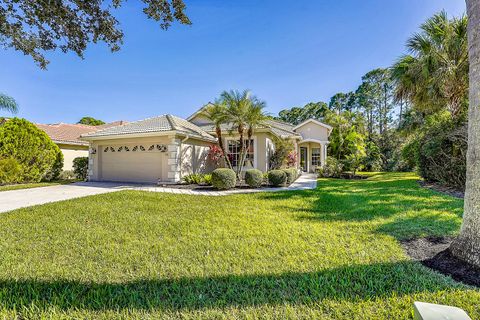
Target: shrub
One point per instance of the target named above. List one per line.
(80, 167)
(193, 178)
(207, 179)
(254, 178)
(10, 171)
(34, 151)
(332, 169)
(56, 170)
(291, 174)
(277, 178)
(67, 175)
(224, 178)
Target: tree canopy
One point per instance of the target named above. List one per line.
(36, 27)
(8, 103)
(90, 121)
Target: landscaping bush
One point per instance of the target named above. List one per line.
(332, 169)
(291, 174)
(207, 179)
(277, 178)
(80, 167)
(254, 178)
(33, 150)
(193, 178)
(10, 171)
(224, 178)
(67, 175)
(56, 170)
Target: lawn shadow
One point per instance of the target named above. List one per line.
(348, 283)
(383, 200)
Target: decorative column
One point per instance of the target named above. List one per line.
(92, 152)
(174, 160)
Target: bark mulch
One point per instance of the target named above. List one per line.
(434, 253)
(442, 189)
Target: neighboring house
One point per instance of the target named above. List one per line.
(166, 148)
(67, 137)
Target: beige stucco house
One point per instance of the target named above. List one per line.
(165, 148)
(67, 137)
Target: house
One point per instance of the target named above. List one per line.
(166, 148)
(67, 137)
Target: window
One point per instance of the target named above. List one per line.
(234, 152)
(316, 157)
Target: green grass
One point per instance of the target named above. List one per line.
(33, 185)
(330, 253)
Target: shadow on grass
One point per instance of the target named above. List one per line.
(350, 283)
(395, 201)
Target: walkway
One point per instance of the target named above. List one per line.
(15, 199)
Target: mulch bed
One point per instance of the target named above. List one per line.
(443, 189)
(434, 253)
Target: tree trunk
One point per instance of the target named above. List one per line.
(467, 245)
(218, 130)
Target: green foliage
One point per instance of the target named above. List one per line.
(90, 121)
(193, 178)
(7, 103)
(29, 146)
(280, 157)
(80, 168)
(56, 170)
(291, 174)
(207, 179)
(332, 169)
(10, 171)
(331, 253)
(254, 178)
(277, 178)
(67, 175)
(35, 27)
(224, 179)
(296, 115)
(373, 157)
(342, 102)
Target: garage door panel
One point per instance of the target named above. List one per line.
(134, 166)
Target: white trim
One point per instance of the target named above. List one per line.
(314, 140)
(145, 134)
(196, 113)
(255, 152)
(313, 121)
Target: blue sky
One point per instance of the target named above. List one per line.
(288, 53)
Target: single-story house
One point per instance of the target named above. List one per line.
(67, 137)
(165, 148)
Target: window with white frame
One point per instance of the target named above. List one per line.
(316, 161)
(234, 152)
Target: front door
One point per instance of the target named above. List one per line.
(303, 158)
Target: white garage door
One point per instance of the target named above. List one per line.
(133, 163)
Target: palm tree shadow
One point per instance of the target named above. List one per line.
(349, 283)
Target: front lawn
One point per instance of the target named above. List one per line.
(330, 253)
(33, 185)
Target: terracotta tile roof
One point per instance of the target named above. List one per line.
(70, 133)
(162, 123)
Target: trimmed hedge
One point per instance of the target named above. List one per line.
(57, 168)
(291, 174)
(10, 171)
(254, 178)
(224, 179)
(80, 167)
(277, 178)
(31, 147)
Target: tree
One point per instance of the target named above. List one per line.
(90, 121)
(296, 115)
(467, 245)
(435, 75)
(217, 114)
(8, 103)
(342, 102)
(36, 27)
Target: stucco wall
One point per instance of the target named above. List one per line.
(313, 131)
(194, 157)
(71, 152)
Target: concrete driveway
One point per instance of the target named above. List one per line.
(15, 199)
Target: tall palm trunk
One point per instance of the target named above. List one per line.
(241, 132)
(467, 245)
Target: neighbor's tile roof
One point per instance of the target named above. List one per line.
(66, 133)
(278, 128)
(70, 133)
(162, 123)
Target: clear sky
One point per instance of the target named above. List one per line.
(288, 53)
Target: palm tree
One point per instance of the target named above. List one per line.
(467, 245)
(435, 75)
(8, 103)
(216, 113)
(256, 117)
